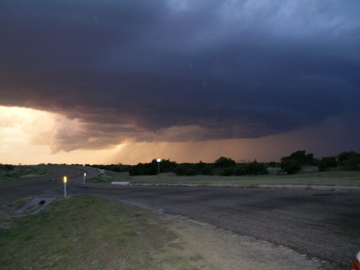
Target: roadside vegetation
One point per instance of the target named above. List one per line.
(106, 177)
(11, 172)
(297, 162)
(331, 178)
(299, 168)
(87, 232)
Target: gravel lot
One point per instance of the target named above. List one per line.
(321, 224)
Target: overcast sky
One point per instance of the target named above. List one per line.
(184, 72)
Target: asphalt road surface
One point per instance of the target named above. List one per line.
(47, 185)
(322, 224)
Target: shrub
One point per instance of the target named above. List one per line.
(352, 163)
(256, 168)
(290, 166)
(224, 162)
(301, 158)
(7, 167)
(251, 168)
(187, 169)
(349, 160)
(327, 163)
(206, 169)
(143, 169)
(226, 171)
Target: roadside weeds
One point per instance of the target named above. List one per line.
(87, 232)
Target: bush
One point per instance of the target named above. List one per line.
(327, 163)
(143, 169)
(349, 161)
(256, 168)
(352, 163)
(226, 171)
(290, 166)
(187, 169)
(165, 165)
(301, 158)
(251, 168)
(205, 169)
(224, 162)
(7, 167)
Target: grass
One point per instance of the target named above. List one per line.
(110, 176)
(24, 172)
(333, 178)
(86, 232)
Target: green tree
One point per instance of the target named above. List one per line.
(256, 168)
(327, 163)
(290, 166)
(186, 169)
(349, 160)
(301, 158)
(205, 168)
(223, 162)
(251, 168)
(144, 169)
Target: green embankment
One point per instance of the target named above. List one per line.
(23, 172)
(332, 178)
(86, 232)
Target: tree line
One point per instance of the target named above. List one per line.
(228, 167)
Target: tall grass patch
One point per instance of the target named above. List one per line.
(331, 178)
(85, 232)
(107, 177)
(24, 172)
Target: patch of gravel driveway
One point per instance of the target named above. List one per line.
(207, 247)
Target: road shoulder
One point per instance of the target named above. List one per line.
(207, 247)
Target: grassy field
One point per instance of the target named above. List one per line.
(109, 176)
(24, 172)
(87, 232)
(333, 178)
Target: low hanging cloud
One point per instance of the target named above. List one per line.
(179, 70)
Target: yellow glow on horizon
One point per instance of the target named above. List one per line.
(31, 136)
(26, 136)
(16, 123)
(19, 127)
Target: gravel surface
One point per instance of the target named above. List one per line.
(208, 247)
(321, 224)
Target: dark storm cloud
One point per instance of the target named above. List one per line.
(181, 70)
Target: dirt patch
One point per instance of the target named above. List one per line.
(10, 211)
(207, 247)
(34, 206)
(5, 220)
(7, 212)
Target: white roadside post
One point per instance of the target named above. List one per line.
(65, 180)
(158, 161)
(84, 177)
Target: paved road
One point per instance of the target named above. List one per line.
(48, 185)
(324, 224)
